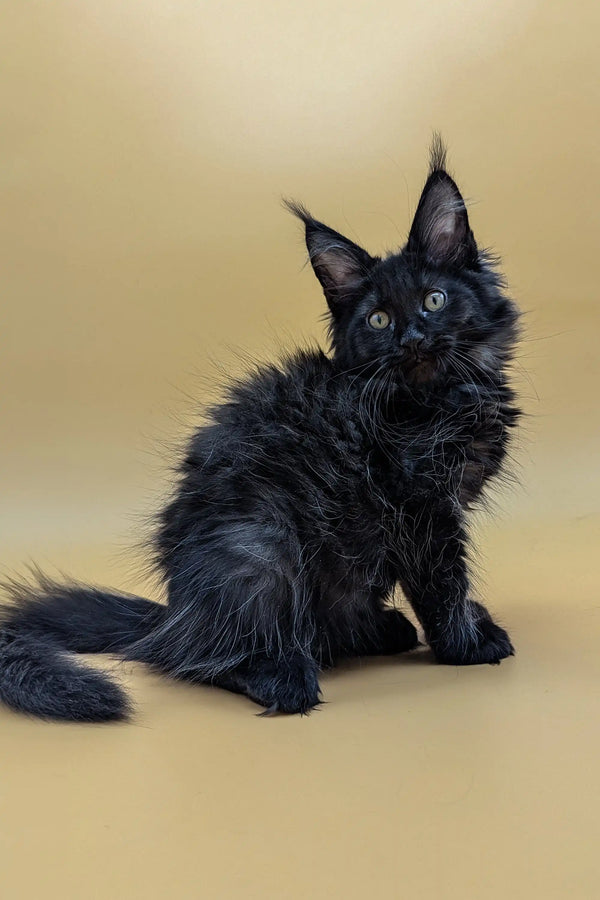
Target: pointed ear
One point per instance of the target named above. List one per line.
(338, 263)
(440, 230)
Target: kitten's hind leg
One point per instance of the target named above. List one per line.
(370, 630)
(243, 620)
(393, 633)
(287, 684)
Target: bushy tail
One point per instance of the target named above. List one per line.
(43, 622)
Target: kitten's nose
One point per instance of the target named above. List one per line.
(412, 338)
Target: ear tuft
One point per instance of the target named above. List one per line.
(437, 154)
(339, 264)
(297, 209)
(440, 231)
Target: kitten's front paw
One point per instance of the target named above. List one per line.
(486, 643)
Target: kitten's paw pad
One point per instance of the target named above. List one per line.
(285, 687)
(399, 634)
(491, 645)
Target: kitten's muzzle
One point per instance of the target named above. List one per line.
(417, 359)
(413, 349)
(412, 338)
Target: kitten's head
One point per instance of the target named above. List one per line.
(433, 308)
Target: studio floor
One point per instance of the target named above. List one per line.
(413, 780)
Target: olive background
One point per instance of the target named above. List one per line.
(145, 257)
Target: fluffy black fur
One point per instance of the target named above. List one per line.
(315, 488)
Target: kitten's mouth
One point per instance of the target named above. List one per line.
(420, 367)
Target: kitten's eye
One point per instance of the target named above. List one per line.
(379, 319)
(434, 300)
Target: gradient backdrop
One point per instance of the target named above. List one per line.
(145, 148)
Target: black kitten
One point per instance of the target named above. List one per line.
(315, 489)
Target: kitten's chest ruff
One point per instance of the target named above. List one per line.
(352, 466)
(355, 480)
(449, 447)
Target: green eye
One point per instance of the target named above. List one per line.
(379, 320)
(434, 300)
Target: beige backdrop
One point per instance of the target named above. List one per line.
(145, 147)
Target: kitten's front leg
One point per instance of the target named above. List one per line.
(435, 579)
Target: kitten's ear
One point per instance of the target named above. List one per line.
(440, 230)
(338, 263)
